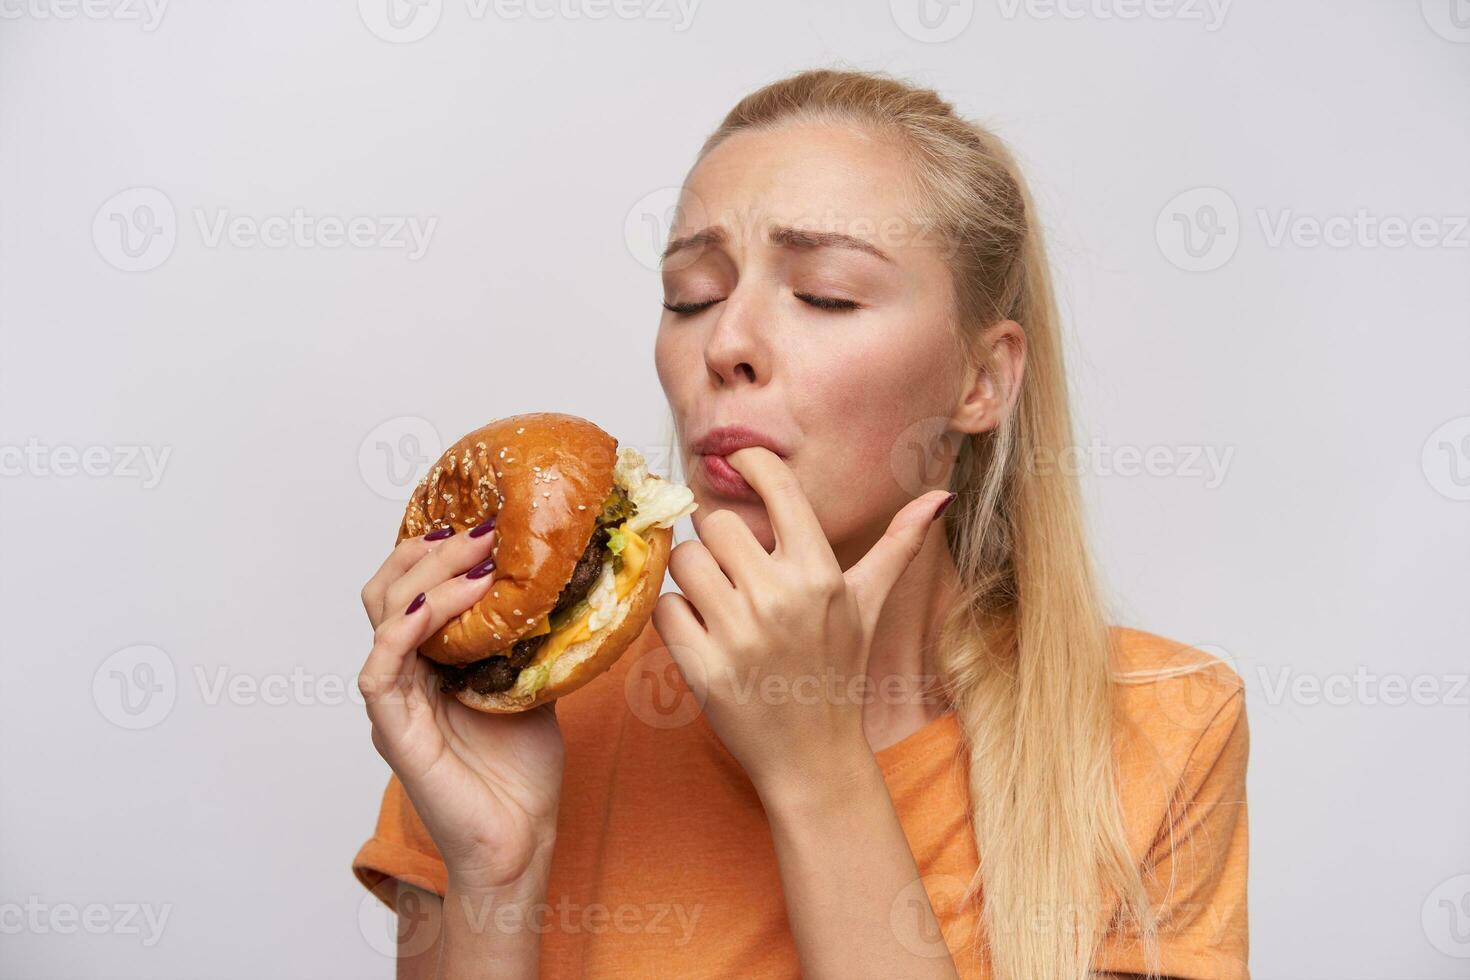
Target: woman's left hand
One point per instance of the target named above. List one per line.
(775, 645)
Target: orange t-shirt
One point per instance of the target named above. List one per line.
(664, 864)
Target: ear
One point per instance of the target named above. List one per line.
(991, 389)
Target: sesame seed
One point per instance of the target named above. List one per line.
(520, 430)
(516, 611)
(545, 493)
(535, 503)
(536, 468)
(529, 621)
(581, 506)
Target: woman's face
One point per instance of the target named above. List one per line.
(809, 307)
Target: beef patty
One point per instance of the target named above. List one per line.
(499, 671)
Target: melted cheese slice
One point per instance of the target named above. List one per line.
(635, 555)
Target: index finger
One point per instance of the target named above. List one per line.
(798, 532)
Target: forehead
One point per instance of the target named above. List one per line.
(824, 176)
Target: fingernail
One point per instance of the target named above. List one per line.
(439, 535)
(485, 528)
(940, 509)
(481, 570)
(413, 607)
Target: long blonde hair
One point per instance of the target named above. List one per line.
(1025, 652)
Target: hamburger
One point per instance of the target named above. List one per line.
(583, 533)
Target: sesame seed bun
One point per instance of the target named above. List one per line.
(544, 476)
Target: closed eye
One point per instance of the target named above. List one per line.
(683, 309)
(827, 302)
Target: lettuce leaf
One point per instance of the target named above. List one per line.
(658, 502)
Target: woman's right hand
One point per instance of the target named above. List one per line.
(485, 786)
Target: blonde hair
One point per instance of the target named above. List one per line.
(1025, 652)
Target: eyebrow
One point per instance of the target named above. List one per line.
(786, 237)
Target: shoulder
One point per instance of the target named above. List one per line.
(1157, 679)
(1180, 722)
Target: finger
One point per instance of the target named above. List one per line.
(799, 534)
(703, 582)
(453, 556)
(873, 577)
(403, 557)
(395, 681)
(677, 623)
(739, 554)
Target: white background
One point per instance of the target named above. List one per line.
(1330, 550)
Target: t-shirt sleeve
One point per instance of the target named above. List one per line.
(400, 849)
(1195, 873)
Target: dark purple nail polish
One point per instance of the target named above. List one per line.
(481, 570)
(439, 534)
(947, 501)
(485, 528)
(413, 607)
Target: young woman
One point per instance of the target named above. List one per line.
(855, 272)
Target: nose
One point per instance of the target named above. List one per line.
(736, 352)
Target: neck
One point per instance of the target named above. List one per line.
(903, 667)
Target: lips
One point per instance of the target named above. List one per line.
(716, 471)
(726, 439)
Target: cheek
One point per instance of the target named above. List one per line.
(676, 370)
(857, 402)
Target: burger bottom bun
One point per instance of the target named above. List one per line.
(581, 662)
